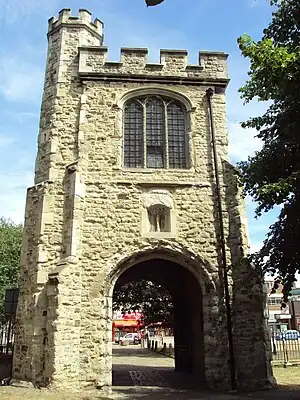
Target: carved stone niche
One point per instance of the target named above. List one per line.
(158, 214)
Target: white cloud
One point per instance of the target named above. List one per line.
(253, 3)
(20, 80)
(133, 32)
(255, 246)
(257, 3)
(11, 10)
(13, 193)
(242, 142)
(16, 175)
(21, 116)
(6, 140)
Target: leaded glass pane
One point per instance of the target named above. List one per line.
(149, 138)
(176, 136)
(155, 133)
(133, 135)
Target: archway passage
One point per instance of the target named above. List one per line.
(186, 296)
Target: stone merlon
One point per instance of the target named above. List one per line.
(134, 61)
(84, 18)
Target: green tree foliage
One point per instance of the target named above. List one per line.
(146, 297)
(272, 175)
(10, 247)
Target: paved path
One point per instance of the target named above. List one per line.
(141, 374)
(135, 366)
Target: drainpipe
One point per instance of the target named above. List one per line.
(209, 94)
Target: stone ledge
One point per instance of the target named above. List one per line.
(143, 78)
(160, 235)
(174, 52)
(172, 184)
(158, 184)
(194, 67)
(21, 384)
(154, 66)
(96, 49)
(156, 170)
(213, 53)
(113, 64)
(137, 50)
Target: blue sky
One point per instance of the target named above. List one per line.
(176, 24)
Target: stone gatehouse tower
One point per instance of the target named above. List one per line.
(125, 188)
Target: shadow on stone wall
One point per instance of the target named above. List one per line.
(220, 325)
(251, 337)
(5, 366)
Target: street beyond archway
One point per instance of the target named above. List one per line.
(136, 366)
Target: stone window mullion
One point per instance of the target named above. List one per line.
(145, 133)
(166, 144)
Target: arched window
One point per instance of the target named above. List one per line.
(155, 133)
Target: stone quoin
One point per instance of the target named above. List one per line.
(125, 188)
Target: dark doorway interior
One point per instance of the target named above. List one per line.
(188, 316)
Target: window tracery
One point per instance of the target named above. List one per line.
(155, 133)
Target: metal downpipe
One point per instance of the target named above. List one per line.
(209, 94)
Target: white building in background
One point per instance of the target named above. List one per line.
(279, 318)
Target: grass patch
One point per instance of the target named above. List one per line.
(288, 378)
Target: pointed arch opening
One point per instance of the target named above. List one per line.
(185, 326)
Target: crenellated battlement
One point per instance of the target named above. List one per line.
(134, 61)
(84, 18)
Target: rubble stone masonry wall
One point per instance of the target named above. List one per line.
(85, 215)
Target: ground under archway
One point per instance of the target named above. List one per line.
(188, 313)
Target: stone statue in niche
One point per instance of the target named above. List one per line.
(158, 206)
(159, 218)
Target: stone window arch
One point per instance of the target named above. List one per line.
(155, 132)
